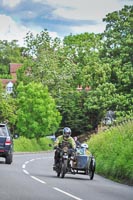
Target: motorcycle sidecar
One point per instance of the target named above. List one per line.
(84, 164)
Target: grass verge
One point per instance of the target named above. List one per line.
(113, 150)
(23, 144)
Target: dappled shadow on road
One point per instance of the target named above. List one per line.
(67, 176)
(85, 178)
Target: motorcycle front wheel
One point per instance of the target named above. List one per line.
(58, 170)
(63, 169)
(58, 174)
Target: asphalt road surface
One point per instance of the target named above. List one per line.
(31, 177)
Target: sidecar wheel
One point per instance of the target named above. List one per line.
(92, 170)
(91, 174)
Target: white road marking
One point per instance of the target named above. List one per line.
(43, 182)
(68, 194)
(31, 160)
(37, 179)
(23, 166)
(25, 171)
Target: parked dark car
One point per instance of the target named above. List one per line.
(6, 144)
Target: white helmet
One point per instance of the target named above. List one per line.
(84, 145)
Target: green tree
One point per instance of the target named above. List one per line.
(37, 115)
(7, 108)
(10, 52)
(83, 51)
(95, 60)
(43, 60)
(118, 52)
(62, 68)
(50, 67)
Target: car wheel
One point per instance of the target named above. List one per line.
(9, 159)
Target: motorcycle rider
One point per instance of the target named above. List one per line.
(66, 137)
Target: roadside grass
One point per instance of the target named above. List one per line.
(113, 150)
(23, 144)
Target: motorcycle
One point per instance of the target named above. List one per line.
(74, 162)
(66, 154)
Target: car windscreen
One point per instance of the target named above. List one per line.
(2, 131)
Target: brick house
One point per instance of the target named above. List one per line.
(8, 83)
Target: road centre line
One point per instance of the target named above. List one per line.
(66, 193)
(43, 182)
(23, 166)
(25, 171)
(37, 179)
(26, 162)
(32, 160)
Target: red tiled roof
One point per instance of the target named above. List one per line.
(14, 67)
(6, 81)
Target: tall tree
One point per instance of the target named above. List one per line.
(118, 52)
(37, 115)
(7, 108)
(10, 52)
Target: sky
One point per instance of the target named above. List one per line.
(59, 17)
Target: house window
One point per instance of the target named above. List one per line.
(9, 88)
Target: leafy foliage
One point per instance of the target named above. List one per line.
(5, 76)
(23, 144)
(10, 52)
(113, 151)
(37, 115)
(102, 62)
(7, 108)
(117, 51)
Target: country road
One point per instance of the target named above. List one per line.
(31, 177)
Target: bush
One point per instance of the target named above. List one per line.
(113, 151)
(44, 143)
(23, 144)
